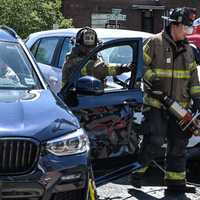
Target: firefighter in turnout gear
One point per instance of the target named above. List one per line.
(86, 40)
(171, 69)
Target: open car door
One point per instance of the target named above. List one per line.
(105, 104)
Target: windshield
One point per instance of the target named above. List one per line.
(15, 68)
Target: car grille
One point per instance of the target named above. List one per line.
(18, 155)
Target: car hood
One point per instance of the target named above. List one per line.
(37, 114)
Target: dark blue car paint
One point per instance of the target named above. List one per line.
(109, 99)
(48, 173)
(6, 37)
(101, 126)
(34, 114)
(39, 115)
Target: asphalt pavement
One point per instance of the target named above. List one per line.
(152, 189)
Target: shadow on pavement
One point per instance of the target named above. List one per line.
(153, 189)
(153, 177)
(114, 198)
(140, 195)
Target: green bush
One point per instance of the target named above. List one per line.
(27, 16)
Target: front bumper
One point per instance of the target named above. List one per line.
(52, 175)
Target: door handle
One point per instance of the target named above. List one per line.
(137, 106)
(131, 102)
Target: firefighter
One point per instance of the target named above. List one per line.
(86, 40)
(171, 68)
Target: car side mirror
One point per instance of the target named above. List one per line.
(89, 85)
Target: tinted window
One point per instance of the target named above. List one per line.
(34, 47)
(46, 49)
(66, 48)
(15, 68)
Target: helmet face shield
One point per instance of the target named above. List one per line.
(89, 38)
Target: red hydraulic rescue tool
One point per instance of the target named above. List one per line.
(186, 120)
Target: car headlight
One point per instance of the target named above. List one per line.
(73, 143)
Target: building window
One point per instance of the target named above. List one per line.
(147, 21)
(99, 20)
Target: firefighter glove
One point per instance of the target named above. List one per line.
(126, 68)
(156, 84)
(156, 91)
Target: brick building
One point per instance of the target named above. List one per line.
(144, 15)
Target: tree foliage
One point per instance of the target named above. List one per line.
(27, 16)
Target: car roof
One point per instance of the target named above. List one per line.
(194, 36)
(195, 39)
(101, 32)
(6, 36)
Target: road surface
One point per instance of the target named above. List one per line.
(152, 189)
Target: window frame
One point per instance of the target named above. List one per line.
(56, 50)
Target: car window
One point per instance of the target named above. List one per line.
(15, 68)
(67, 46)
(112, 66)
(122, 54)
(46, 49)
(66, 49)
(34, 47)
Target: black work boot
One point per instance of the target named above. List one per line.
(181, 189)
(136, 179)
(175, 196)
(137, 175)
(178, 191)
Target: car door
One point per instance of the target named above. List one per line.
(48, 52)
(106, 111)
(62, 52)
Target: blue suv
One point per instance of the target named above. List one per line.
(43, 149)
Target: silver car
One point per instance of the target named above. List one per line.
(50, 48)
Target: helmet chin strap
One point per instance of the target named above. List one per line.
(174, 34)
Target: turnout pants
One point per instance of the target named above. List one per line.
(160, 128)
